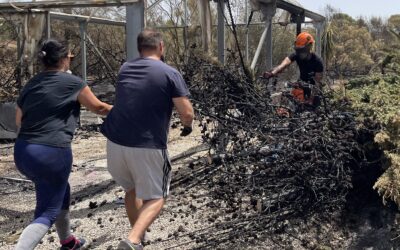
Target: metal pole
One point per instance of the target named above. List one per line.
(82, 27)
(260, 45)
(109, 68)
(48, 25)
(221, 31)
(298, 27)
(269, 45)
(247, 31)
(134, 25)
(19, 55)
(153, 5)
(299, 21)
(318, 48)
(185, 31)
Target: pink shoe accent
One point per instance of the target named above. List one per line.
(68, 240)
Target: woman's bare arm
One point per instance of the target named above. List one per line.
(90, 101)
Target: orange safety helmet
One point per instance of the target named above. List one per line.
(303, 39)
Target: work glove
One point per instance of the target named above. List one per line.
(186, 131)
(268, 74)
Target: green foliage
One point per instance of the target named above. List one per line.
(377, 97)
(371, 80)
(354, 46)
(360, 46)
(394, 22)
(343, 17)
(382, 92)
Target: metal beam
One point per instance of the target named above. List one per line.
(88, 19)
(48, 25)
(268, 41)
(294, 9)
(134, 25)
(259, 47)
(153, 5)
(19, 55)
(246, 17)
(318, 44)
(82, 28)
(226, 25)
(298, 28)
(221, 31)
(109, 68)
(21, 6)
(186, 25)
(268, 10)
(298, 10)
(75, 18)
(299, 20)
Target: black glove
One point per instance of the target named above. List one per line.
(268, 74)
(186, 131)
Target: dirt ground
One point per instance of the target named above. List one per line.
(105, 223)
(98, 215)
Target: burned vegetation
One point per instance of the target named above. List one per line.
(267, 172)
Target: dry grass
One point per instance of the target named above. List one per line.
(388, 185)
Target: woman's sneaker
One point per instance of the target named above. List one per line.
(127, 245)
(72, 244)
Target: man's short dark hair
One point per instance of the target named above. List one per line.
(148, 40)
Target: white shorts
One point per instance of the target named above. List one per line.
(146, 170)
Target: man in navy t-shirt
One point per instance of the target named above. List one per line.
(137, 132)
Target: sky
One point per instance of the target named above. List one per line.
(356, 8)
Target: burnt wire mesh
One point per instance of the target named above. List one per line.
(10, 72)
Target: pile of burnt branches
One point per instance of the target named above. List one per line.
(267, 169)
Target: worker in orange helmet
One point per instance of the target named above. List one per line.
(310, 65)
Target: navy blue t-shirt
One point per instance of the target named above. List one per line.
(143, 104)
(308, 67)
(50, 108)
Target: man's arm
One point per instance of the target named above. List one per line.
(185, 111)
(284, 64)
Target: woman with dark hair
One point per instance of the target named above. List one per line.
(47, 114)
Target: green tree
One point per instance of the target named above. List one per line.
(355, 48)
(394, 22)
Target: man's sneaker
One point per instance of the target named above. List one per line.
(78, 243)
(127, 245)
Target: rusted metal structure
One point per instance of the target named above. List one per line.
(298, 16)
(134, 16)
(36, 18)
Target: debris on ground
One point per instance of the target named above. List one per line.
(245, 178)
